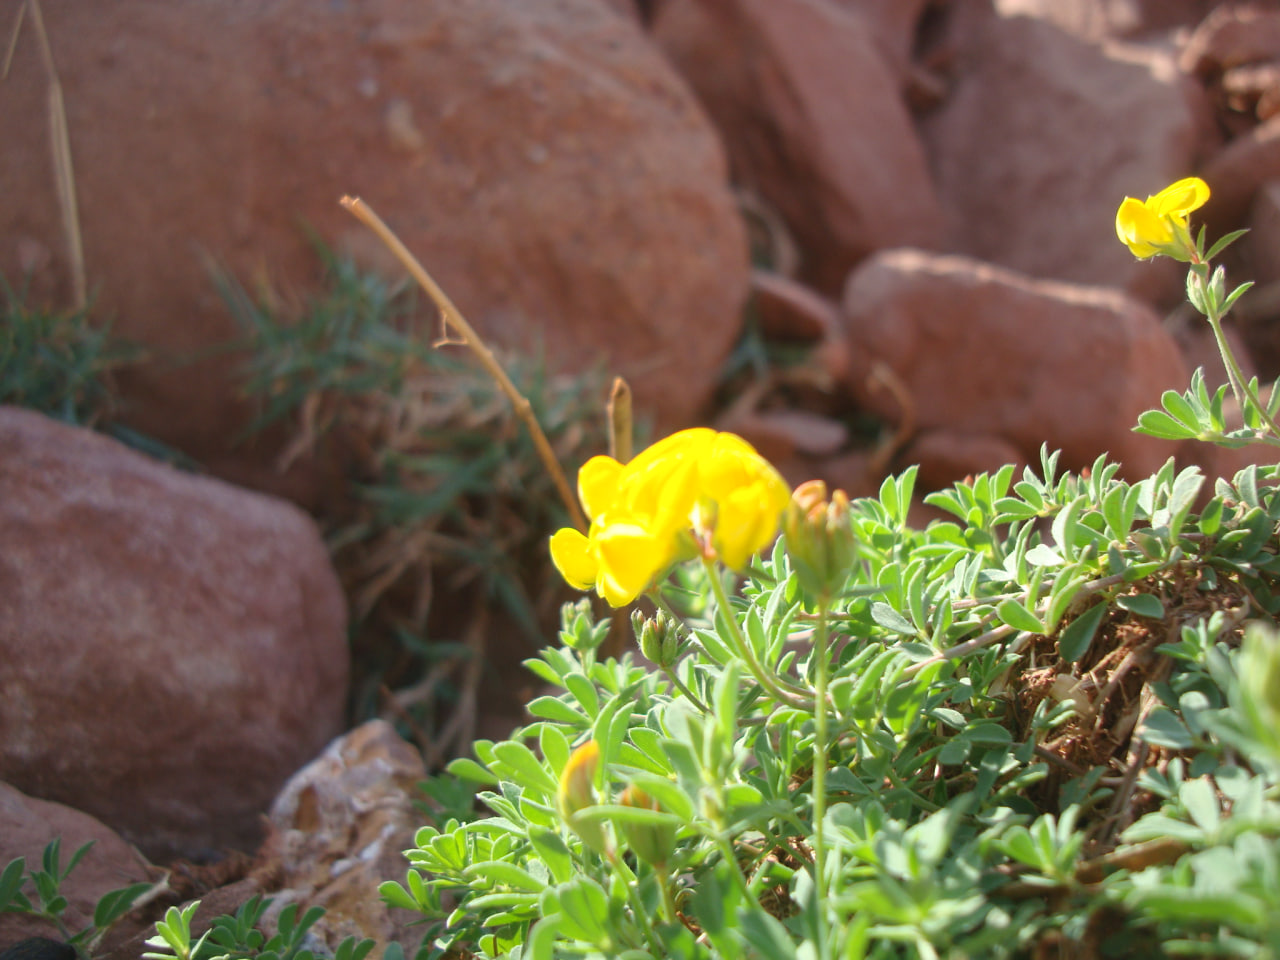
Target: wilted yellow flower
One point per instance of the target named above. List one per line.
(695, 487)
(1158, 225)
(578, 791)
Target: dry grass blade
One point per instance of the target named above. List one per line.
(60, 143)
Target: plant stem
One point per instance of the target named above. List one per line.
(819, 780)
(771, 684)
(452, 317)
(1236, 377)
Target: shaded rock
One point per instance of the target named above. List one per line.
(341, 825)
(895, 24)
(1237, 172)
(813, 120)
(541, 158)
(1040, 195)
(983, 352)
(1230, 36)
(788, 310)
(171, 647)
(781, 435)
(28, 824)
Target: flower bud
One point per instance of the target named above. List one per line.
(820, 537)
(578, 791)
(659, 637)
(651, 842)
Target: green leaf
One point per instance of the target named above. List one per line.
(394, 895)
(1019, 617)
(891, 619)
(1143, 605)
(468, 769)
(500, 872)
(1162, 728)
(11, 881)
(1078, 635)
(769, 937)
(1157, 423)
(116, 903)
(553, 708)
(1181, 410)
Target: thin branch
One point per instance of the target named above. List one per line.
(452, 317)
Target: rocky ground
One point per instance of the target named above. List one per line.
(919, 194)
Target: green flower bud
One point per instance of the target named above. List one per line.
(820, 538)
(651, 842)
(658, 636)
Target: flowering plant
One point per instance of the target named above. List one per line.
(1028, 729)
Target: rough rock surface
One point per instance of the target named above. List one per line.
(1042, 136)
(171, 648)
(984, 352)
(541, 158)
(813, 120)
(340, 826)
(27, 824)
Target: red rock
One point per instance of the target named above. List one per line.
(541, 158)
(1042, 137)
(1237, 172)
(984, 352)
(28, 824)
(171, 648)
(813, 120)
(1230, 36)
(895, 23)
(791, 311)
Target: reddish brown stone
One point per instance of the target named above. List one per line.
(813, 120)
(1043, 136)
(171, 648)
(541, 158)
(983, 352)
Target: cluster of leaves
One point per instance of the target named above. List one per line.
(239, 938)
(450, 492)
(38, 893)
(1042, 733)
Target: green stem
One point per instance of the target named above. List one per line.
(1236, 376)
(771, 684)
(819, 783)
(669, 911)
(684, 691)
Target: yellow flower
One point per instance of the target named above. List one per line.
(695, 486)
(1159, 224)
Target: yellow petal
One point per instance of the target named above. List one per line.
(1179, 199)
(746, 521)
(598, 484)
(1140, 229)
(630, 558)
(571, 553)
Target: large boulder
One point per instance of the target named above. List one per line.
(1000, 363)
(1044, 134)
(814, 121)
(172, 648)
(541, 158)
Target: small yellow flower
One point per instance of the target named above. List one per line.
(695, 486)
(1158, 225)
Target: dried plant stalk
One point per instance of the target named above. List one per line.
(453, 318)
